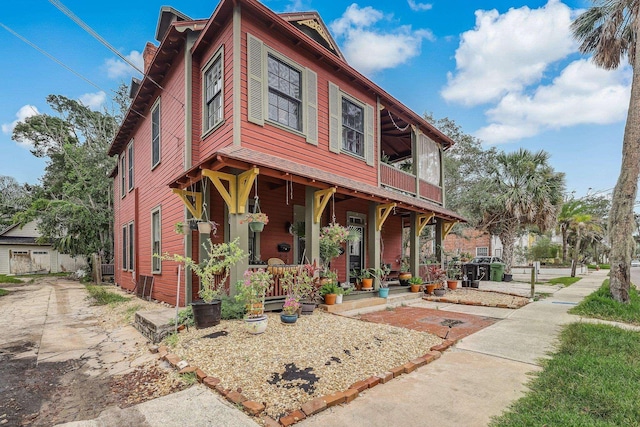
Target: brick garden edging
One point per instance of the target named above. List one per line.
(311, 407)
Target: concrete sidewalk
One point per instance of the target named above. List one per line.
(476, 379)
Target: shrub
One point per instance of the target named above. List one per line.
(231, 309)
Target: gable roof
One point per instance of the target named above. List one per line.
(311, 24)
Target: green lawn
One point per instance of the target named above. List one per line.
(592, 380)
(601, 306)
(102, 296)
(9, 279)
(3, 292)
(564, 281)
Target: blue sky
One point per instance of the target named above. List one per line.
(506, 71)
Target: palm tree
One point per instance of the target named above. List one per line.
(581, 223)
(526, 191)
(608, 30)
(569, 210)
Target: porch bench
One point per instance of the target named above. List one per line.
(394, 282)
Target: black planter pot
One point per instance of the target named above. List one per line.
(507, 277)
(307, 308)
(206, 314)
(466, 283)
(475, 283)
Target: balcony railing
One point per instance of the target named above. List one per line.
(395, 178)
(406, 182)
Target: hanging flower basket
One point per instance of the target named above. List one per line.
(256, 226)
(205, 227)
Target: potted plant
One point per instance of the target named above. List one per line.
(290, 310)
(329, 291)
(252, 292)
(332, 237)
(213, 273)
(404, 275)
(415, 283)
(207, 227)
(302, 284)
(453, 273)
(256, 220)
(437, 276)
(358, 275)
(380, 274)
(342, 291)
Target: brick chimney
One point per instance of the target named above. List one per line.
(148, 54)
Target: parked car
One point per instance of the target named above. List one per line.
(486, 260)
(635, 263)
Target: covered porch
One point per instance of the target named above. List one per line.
(299, 201)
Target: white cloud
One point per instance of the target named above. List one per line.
(581, 94)
(508, 52)
(93, 100)
(23, 113)
(298, 6)
(117, 68)
(372, 49)
(417, 7)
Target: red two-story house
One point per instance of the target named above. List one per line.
(250, 106)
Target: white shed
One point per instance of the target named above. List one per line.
(20, 254)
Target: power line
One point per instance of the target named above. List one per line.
(98, 37)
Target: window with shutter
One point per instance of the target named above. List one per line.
(130, 171)
(156, 230)
(123, 175)
(350, 125)
(285, 96)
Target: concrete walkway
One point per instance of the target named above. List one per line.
(476, 379)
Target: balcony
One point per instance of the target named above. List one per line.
(403, 181)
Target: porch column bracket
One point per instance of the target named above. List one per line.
(382, 213)
(230, 197)
(447, 226)
(423, 220)
(245, 182)
(194, 208)
(320, 200)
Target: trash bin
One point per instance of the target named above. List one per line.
(469, 270)
(497, 270)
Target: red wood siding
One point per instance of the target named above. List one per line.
(223, 135)
(430, 191)
(279, 142)
(397, 179)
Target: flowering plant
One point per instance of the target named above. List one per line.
(256, 217)
(291, 305)
(331, 239)
(300, 284)
(253, 289)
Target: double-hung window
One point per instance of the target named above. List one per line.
(130, 171)
(285, 97)
(213, 94)
(156, 234)
(352, 127)
(132, 266)
(123, 175)
(125, 246)
(155, 134)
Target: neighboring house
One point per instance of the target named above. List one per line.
(250, 106)
(20, 254)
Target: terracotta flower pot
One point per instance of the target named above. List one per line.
(415, 288)
(330, 299)
(430, 287)
(452, 284)
(367, 283)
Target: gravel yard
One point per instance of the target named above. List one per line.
(485, 298)
(289, 365)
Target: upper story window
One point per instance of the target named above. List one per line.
(123, 175)
(285, 99)
(482, 251)
(155, 134)
(213, 94)
(280, 91)
(352, 127)
(130, 171)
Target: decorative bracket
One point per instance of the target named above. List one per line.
(423, 220)
(196, 210)
(230, 197)
(382, 213)
(320, 200)
(446, 227)
(245, 182)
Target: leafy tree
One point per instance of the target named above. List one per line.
(524, 191)
(466, 165)
(543, 249)
(74, 203)
(13, 198)
(569, 210)
(609, 30)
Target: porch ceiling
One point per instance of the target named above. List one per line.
(396, 136)
(243, 158)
